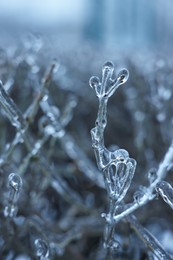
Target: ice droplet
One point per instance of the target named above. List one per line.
(42, 249)
(108, 67)
(152, 175)
(121, 154)
(123, 76)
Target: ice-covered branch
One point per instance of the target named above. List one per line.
(149, 194)
(165, 190)
(10, 109)
(150, 241)
(117, 168)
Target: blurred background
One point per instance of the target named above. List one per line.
(124, 24)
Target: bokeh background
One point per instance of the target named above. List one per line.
(127, 24)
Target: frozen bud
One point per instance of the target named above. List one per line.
(121, 154)
(108, 68)
(94, 82)
(122, 76)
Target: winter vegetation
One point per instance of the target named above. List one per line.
(65, 193)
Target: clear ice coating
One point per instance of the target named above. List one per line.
(151, 242)
(95, 84)
(119, 174)
(107, 72)
(42, 249)
(120, 154)
(108, 67)
(10, 109)
(165, 190)
(107, 87)
(118, 169)
(123, 76)
(15, 186)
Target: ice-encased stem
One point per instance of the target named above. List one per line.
(150, 241)
(117, 168)
(165, 190)
(97, 133)
(17, 119)
(15, 186)
(11, 110)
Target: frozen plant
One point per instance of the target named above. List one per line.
(117, 168)
(118, 171)
(45, 141)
